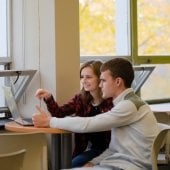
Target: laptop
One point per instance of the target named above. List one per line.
(11, 103)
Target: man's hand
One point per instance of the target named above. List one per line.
(41, 119)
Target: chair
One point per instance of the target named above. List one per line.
(12, 160)
(35, 145)
(161, 139)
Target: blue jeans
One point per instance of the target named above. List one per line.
(85, 157)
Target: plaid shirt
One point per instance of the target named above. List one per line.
(76, 107)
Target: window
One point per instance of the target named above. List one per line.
(3, 29)
(97, 27)
(17, 79)
(153, 27)
(5, 38)
(143, 26)
(4, 33)
(4, 42)
(153, 46)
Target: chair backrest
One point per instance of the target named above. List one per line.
(160, 140)
(35, 145)
(12, 160)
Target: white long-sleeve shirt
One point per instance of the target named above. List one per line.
(133, 127)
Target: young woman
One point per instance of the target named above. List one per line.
(88, 102)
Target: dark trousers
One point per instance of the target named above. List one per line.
(85, 157)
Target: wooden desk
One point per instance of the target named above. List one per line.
(61, 143)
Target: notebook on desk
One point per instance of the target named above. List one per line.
(11, 103)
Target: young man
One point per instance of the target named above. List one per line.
(131, 121)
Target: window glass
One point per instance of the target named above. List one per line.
(157, 85)
(97, 37)
(153, 27)
(153, 30)
(3, 28)
(3, 42)
(97, 27)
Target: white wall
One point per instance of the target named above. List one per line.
(34, 46)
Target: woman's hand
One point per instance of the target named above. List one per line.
(41, 119)
(41, 94)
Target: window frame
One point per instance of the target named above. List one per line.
(140, 59)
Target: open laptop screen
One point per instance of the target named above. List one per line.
(11, 103)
